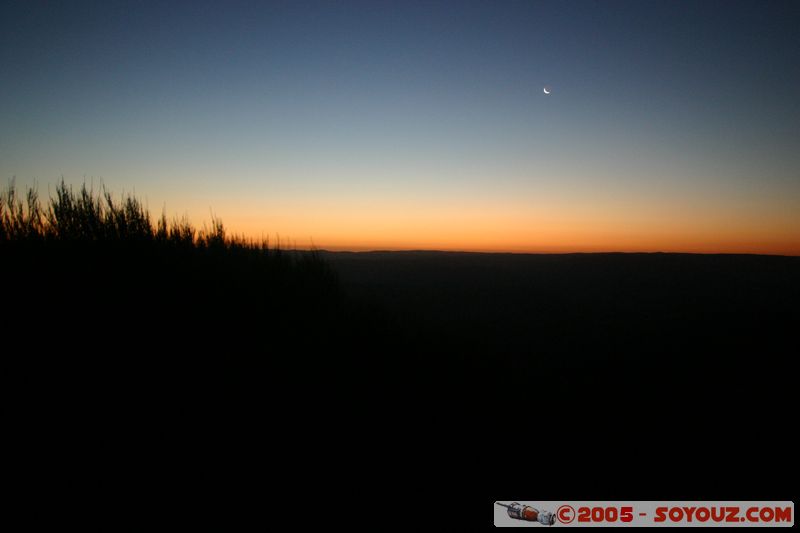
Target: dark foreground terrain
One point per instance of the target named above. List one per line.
(709, 324)
(157, 371)
(593, 375)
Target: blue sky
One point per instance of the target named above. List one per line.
(672, 125)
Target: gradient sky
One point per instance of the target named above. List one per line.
(672, 125)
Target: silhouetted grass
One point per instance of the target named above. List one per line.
(86, 216)
(88, 222)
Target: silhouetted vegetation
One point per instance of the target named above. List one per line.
(85, 216)
(84, 226)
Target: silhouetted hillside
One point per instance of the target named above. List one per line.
(201, 358)
(591, 375)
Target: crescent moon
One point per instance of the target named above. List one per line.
(546, 91)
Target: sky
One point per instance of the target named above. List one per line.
(671, 125)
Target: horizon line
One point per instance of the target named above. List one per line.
(505, 252)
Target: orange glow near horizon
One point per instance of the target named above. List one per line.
(494, 226)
